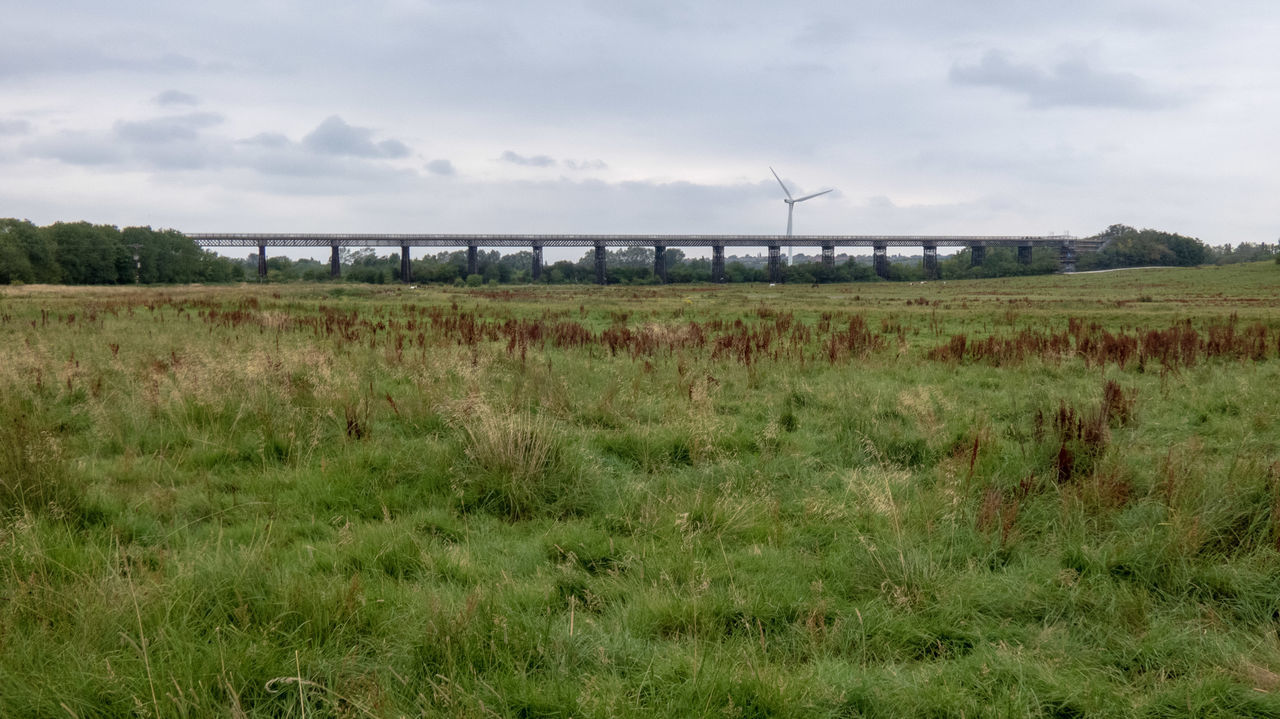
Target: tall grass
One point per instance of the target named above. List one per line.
(1032, 497)
(35, 476)
(519, 466)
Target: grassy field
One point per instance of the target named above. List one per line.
(1054, 496)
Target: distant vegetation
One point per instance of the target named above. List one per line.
(83, 253)
(79, 253)
(1127, 247)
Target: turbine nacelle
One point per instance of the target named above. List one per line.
(791, 201)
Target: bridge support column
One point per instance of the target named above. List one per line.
(717, 263)
(405, 271)
(262, 262)
(1067, 256)
(828, 255)
(537, 262)
(931, 261)
(775, 262)
(600, 255)
(660, 263)
(473, 260)
(977, 255)
(335, 262)
(1024, 254)
(880, 259)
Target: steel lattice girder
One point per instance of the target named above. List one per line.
(461, 241)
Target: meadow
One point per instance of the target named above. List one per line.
(1051, 496)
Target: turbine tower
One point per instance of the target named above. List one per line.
(791, 207)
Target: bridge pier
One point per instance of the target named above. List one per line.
(1067, 256)
(977, 255)
(880, 259)
(931, 261)
(1023, 247)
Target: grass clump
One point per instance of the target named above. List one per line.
(34, 473)
(519, 466)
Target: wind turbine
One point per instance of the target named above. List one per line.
(791, 207)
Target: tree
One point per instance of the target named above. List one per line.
(1127, 247)
(87, 254)
(15, 264)
(26, 254)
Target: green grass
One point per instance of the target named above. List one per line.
(691, 501)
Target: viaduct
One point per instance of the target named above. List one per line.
(1066, 246)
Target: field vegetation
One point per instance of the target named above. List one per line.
(1052, 496)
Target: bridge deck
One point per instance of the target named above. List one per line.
(519, 240)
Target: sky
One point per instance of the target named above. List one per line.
(1004, 117)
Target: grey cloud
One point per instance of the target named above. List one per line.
(167, 143)
(441, 167)
(1070, 83)
(393, 148)
(166, 129)
(181, 156)
(175, 97)
(267, 139)
(825, 32)
(527, 161)
(295, 170)
(334, 155)
(335, 137)
(75, 148)
(42, 55)
(586, 164)
(323, 163)
(14, 127)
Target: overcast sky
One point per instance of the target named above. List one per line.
(639, 116)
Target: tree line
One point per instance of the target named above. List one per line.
(1129, 247)
(80, 253)
(84, 253)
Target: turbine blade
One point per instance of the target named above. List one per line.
(810, 197)
(779, 179)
